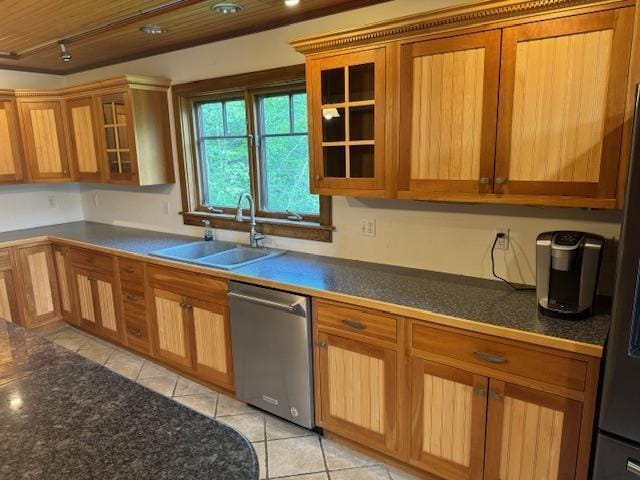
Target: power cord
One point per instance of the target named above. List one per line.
(493, 267)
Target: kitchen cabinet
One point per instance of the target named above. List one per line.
(190, 324)
(44, 139)
(38, 284)
(449, 103)
(348, 117)
(356, 362)
(9, 309)
(530, 433)
(65, 281)
(10, 142)
(448, 411)
(562, 98)
(86, 163)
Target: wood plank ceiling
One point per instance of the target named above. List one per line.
(99, 32)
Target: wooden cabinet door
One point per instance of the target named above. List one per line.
(10, 147)
(118, 138)
(562, 100)
(358, 391)
(84, 140)
(42, 132)
(8, 300)
(530, 434)
(348, 110)
(88, 318)
(449, 103)
(107, 306)
(65, 282)
(39, 285)
(211, 342)
(170, 328)
(448, 412)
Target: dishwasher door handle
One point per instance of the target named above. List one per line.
(294, 308)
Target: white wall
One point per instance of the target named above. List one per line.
(443, 237)
(25, 206)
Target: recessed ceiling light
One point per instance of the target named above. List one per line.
(291, 3)
(65, 56)
(227, 8)
(153, 29)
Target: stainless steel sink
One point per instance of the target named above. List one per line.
(239, 257)
(224, 255)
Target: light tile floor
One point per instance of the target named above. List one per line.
(284, 450)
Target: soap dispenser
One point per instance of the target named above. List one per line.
(208, 232)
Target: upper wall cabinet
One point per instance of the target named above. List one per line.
(10, 147)
(44, 141)
(526, 104)
(114, 131)
(347, 96)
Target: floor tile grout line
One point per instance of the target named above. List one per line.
(324, 457)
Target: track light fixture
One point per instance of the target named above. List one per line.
(65, 56)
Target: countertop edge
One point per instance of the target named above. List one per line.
(570, 346)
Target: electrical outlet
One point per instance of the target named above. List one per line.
(52, 201)
(502, 243)
(368, 228)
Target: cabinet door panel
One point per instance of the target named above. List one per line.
(358, 390)
(85, 299)
(109, 318)
(10, 148)
(449, 98)
(212, 341)
(45, 144)
(8, 303)
(448, 408)
(171, 328)
(531, 435)
(37, 269)
(562, 98)
(63, 270)
(84, 140)
(117, 138)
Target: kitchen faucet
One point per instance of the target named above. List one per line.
(254, 237)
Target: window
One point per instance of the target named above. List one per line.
(251, 138)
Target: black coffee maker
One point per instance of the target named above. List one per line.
(567, 270)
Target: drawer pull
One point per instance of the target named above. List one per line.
(633, 467)
(132, 297)
(489, 357)
(89, 259)
(185, 305)
(128, 270)
(354, 324)
(134, 332)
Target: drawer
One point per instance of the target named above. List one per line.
(131, 271)
(133, 297)
(92, 260)
(362, 321)
(508, 358)
(5, 260)
(135, 311)
(137, 336)
(188, 284)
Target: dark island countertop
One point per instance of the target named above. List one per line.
(479, 303)
(63, 417)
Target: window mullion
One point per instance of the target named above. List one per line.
(254, 170)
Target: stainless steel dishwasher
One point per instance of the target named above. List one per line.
(271, 342)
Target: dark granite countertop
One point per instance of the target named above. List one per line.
(65, 417)
(479, 300)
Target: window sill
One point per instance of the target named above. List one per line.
(267, 226)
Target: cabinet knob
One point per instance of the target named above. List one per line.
(132, 297)
(128, 270)
(134, 332)
(318, 178)
(322, 344)
(89, 259)
(485, 180)
(501, 180)
(185, 305)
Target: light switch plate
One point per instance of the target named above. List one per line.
(368, 228)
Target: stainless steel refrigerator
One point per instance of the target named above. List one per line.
(618, 443)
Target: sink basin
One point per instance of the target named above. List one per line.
(216, 254)
(239, 257)
(193, 251)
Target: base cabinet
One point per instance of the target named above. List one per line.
(65, 281)
(8, 300)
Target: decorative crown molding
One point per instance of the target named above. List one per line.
(453, 17)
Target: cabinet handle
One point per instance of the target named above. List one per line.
(633, 467)
(354, 324)
(322, 344)
(134, 332)
(128, 270)
(501, 180)
(132, 297)
(89, 260)
(186, 305)
(92, 279)
(489, 357)
(318, 178)
(485, 180)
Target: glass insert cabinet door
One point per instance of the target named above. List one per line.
(348, 109)
(116, 122)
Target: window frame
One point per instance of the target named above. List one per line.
(249, 86)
